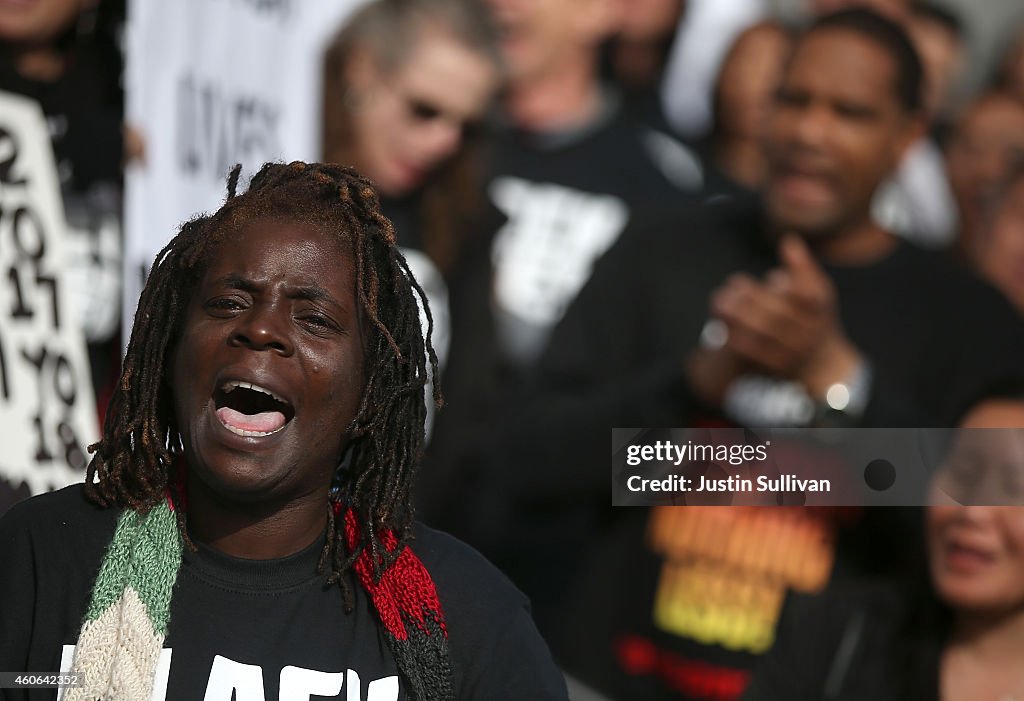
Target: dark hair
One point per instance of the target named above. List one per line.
(941, 16)
(388, 30)
(893, 39)
(924, 628)
(141, 444)
(1012, 49)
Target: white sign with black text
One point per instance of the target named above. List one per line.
(47, 407)
(212, 83)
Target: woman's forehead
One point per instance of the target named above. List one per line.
(283, 248)
(243, 237)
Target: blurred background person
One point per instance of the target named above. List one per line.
(636, 56)
(957, 633)
(743, 97)
(824, 319)
(917, 203)
(406, 85)
(999, 250)
(940, 38)
(569, 169)
(59, 53)
(707, 29)
(985, 143)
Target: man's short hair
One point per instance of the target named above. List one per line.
(891, 37)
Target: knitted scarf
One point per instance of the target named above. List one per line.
(129, 611)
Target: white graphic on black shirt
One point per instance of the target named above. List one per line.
(235, 681)
(544, 254)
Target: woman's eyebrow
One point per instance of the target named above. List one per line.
(235, 281)
(312, 293)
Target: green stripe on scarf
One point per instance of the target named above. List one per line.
(145, 554)
(126, 622)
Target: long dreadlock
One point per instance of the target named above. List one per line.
(370, 520)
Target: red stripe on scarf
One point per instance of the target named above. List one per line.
(405, 592)
(179, 472)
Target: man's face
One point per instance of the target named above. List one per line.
(275, 309)
(836, 132)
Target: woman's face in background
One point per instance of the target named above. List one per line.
(408, 121)
(976, 552)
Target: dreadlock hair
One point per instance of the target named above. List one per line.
(370, 512)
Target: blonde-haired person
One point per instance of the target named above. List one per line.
(406, 83)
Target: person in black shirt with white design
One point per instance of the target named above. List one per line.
(569, 170)
(245, 530)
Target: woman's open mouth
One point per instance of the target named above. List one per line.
(246, 409)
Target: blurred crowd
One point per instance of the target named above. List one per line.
(837, 240)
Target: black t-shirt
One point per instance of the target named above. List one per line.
(568, 198)
(562, 201)
(245, 629)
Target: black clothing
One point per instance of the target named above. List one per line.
(858, 642)
(276, 616)
(563, 199)
(83, 109)
(568, 198)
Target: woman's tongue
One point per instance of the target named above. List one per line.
(263, 422)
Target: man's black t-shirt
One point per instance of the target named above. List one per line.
(249, 629)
